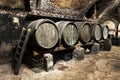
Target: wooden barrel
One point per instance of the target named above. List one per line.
(84, 30)
(44, 33)
(111, 25)
(119, 30)
(105, 32)
(96, 31)
(68, 33)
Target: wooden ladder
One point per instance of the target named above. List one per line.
(20, 49)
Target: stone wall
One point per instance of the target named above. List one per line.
(67, 9)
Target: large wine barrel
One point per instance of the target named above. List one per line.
(111, 25)
(105, 32)
(96, 31)
(119, 30)
(68, 33)
(84, 30)
(44, 33)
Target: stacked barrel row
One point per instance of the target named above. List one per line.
(47, 34)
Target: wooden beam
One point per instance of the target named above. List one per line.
(109, 9)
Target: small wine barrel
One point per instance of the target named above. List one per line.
(68, 33)
(96, 31)
(84, 30)
(105, 32)
(44, 33)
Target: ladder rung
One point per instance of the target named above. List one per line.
(22, 38)
(16, 59)
(21, 44)
(20, 47)
(24, 32)
(17, 53)
(21, 41)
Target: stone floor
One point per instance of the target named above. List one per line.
(102, 66)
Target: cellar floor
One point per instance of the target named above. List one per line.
(103, 66)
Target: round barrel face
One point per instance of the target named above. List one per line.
(70, 34)
(47, 35)
(98, 32)
(105, 32)
(85, 33)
